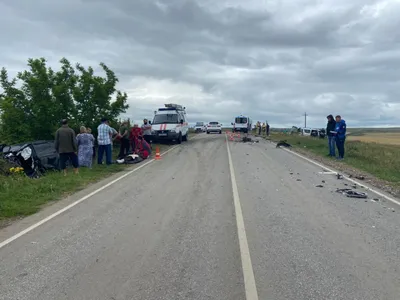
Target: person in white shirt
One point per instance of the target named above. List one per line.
(146, 129)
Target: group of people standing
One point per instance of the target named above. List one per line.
(336, 131)
(264, 127)
(80, 149)
(136, 138)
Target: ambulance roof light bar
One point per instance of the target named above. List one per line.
(176, 106)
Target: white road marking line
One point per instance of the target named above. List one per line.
(327, 173)
(34, 226)
(247, 267)
(345, 177)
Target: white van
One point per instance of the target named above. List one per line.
(170, 124)
(306, 131)
(242, 124)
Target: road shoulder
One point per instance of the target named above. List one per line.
(12, 226)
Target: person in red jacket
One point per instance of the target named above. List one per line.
(136, 131)
(143, 148)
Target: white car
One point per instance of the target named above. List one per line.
(214, 127)
(200, 127)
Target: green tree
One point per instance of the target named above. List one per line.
(33, 110)
(14, 109)
(93, 96)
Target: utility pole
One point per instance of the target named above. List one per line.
(305, 120)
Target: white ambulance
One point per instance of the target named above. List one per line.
(170, 124)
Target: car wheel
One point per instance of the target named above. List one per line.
(208, 132)
(220, 132)
(179, 141)
(185, 137)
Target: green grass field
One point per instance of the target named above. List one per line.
(22, 196)
(378, 159)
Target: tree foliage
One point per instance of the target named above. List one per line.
(33, 104)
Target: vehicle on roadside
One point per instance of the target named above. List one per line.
(200, 127)
(320, 133)
(305, 131)
(170, 124)
(242, 124)
(215, 127)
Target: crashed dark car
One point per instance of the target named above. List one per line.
(35, 158)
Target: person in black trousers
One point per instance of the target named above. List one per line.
(124, 135)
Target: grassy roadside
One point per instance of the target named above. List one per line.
(21, 196)
(379, 160)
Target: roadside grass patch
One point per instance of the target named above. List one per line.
(22, 196)
(380, 160)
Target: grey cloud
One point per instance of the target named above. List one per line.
(277, 60)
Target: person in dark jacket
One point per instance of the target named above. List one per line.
(331, 132)
(66, 146)
(340, 130)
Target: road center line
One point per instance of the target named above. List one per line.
(247, 267)
(52, 216)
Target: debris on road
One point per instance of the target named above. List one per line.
(339, 176)
(246, 139)
(319, 185)
(283, 144)
(352, 194)
(360, 177)
(298, 179)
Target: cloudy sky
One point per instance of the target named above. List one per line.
(269, 59)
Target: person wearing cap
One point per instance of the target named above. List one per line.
(105, 133)
(331, 132)
(66, 146)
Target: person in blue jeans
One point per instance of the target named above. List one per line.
(340, 135)
(104, 141)
(331, 133)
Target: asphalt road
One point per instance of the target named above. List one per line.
(169, 231)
